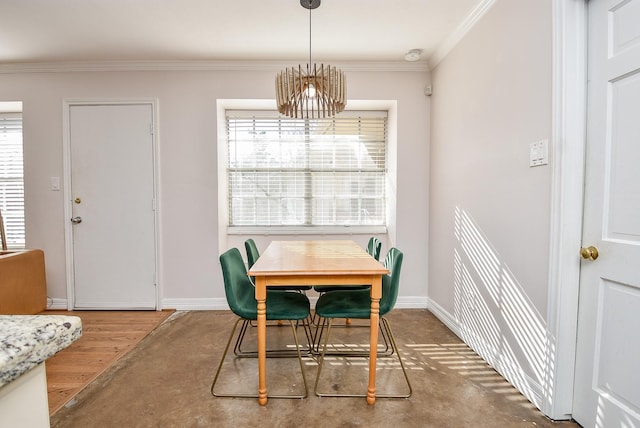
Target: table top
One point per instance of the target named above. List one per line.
(316, 258)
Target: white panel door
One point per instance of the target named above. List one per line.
(112, 199)
(607, 378)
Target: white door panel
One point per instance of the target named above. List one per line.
(112, 192)
(607, 379)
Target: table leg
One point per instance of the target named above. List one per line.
(261, 297)
(376, 292)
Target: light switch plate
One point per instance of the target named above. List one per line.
(539, 153)
(55, 184)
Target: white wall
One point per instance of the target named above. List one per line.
(489, 211)
(189, 267)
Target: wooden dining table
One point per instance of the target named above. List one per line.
(316, 263)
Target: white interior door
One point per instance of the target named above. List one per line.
(112, 196)
(607, 378)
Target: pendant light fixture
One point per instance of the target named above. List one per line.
(314, 91)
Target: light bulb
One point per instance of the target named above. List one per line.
(310, 90)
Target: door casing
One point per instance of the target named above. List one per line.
(567, 177)
(68, 199)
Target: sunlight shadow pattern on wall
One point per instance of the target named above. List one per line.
(495, 316)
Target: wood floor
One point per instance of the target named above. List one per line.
(106, 337)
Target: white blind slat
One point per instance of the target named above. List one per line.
(12, 179)
(315, 172)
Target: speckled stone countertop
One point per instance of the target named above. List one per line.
(28, 340)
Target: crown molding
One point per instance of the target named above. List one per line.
(212, 65)
(458, 34)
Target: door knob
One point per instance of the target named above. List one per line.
(589, 253)
(76, 220)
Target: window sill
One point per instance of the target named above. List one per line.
(311, 230)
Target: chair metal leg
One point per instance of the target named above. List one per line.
(237, 347)
(308, 334)
(319, 331)
(255, 395)
(274, 353)
(394, 345)
(304, 378)
(317, 335)
(224, 355)
(395, 349)
(313, 318)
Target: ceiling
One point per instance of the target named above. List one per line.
(37, 31)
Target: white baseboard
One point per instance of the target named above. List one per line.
(411, 302)
(444, 316)
(178, 304)
(56, 304)
(204, 304)
(220, 304)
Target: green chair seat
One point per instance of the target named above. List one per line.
(331, 288)
(285, 306)
(373, 248)
(345, 304)
(356, 304)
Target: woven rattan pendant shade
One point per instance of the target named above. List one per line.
(313, 91)
(296, 98)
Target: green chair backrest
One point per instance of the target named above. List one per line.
(238, 288)
(391, 281)
(373, 247)
(252, 252)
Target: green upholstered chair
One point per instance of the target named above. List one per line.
(252, 256)
(357, 304)
(373, 248)
(240, 294)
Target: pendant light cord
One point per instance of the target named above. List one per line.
(310, 96)
(309, 68)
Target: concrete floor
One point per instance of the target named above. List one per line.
(166, 380)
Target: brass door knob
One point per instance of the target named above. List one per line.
(589, 253)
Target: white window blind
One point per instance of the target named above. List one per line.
(12, 178)
(314, 172)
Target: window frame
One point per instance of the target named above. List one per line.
(318, 151)
(16, 239)
(225, 229)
